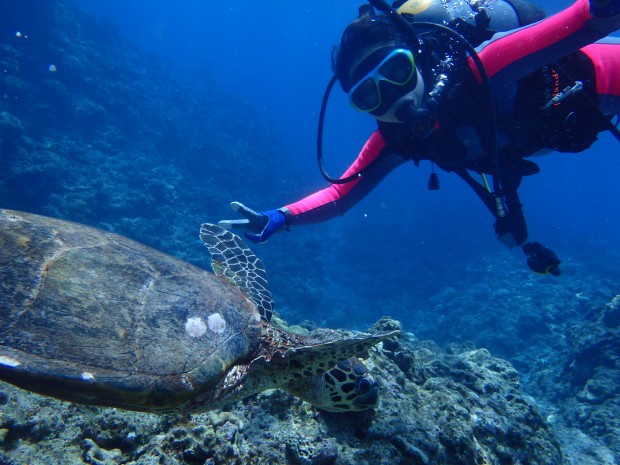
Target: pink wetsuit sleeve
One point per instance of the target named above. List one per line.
(514, 54)
(371, 150)
(605, 58)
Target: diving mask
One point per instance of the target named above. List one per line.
(397, 68)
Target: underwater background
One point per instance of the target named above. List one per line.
(148, 118)
(403, 245)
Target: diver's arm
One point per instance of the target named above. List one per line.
(514, 54)
(336, 199)
(605, 59)
(376, 160)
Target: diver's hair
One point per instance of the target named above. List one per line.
(364, 32)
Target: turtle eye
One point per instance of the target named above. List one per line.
(364, 385)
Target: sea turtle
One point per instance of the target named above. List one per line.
(93, 317)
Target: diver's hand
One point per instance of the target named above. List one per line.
(604, 8)
(260, 226)
(541, 259)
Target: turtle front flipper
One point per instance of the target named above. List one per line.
(231, 258)
(328, 375)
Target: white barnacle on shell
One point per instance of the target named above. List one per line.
(9, 362)
(195, 326)
(217, 324)
(186, 381)
(87, 376)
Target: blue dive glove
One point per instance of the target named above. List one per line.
(604, 8)
(260, 225)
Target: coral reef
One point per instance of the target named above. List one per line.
(458, 407)
(583, 388)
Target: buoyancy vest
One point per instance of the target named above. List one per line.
(570, 125)
(529, 126)
(463, 136)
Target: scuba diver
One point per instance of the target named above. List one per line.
(474, 87)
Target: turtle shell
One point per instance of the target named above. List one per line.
(93, 317)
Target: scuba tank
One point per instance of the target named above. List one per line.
(476, 20)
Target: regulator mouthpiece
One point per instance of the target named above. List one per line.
(419, 120)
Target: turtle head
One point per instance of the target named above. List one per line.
(348, 387)
(326, 374)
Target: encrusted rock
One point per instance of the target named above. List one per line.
(590, 380)
(95, 455)
(461, 408)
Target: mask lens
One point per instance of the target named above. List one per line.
(365, 95)
(398, 69)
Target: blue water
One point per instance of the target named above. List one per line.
(276, 56)
(403, 245)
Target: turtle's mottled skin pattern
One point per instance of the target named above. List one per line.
(131, 326)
